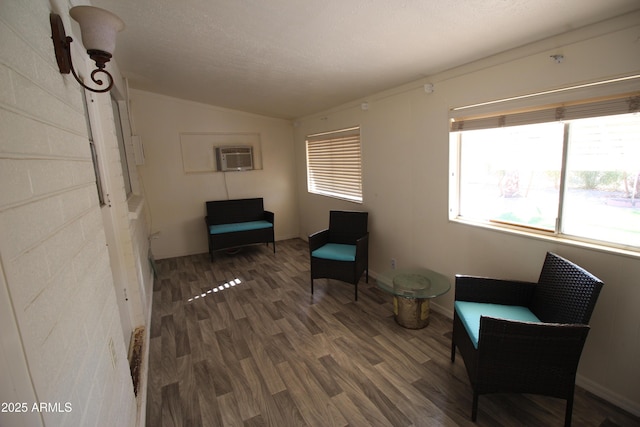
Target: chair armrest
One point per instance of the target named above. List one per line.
(362, 246)
(511, 350)
(495, 291)
(318, 239)
(269, 216)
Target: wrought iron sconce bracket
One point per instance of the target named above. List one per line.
(62, 48)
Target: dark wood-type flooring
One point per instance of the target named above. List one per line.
(263, 352)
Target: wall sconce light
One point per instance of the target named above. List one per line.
(99, 28)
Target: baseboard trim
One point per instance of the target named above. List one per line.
(441, 310)
(608, 395)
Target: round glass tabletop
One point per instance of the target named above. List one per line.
(414, 283)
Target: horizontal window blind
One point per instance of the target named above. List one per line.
(629, 103)
(334, 164)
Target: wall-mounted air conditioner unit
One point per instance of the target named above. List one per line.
(236, 158)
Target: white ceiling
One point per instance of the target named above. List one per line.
(290, 58)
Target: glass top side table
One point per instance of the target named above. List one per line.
(412, 289)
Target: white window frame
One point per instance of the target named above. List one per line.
(334, 164)
(490, 115)
(94, 154)
(124, 161)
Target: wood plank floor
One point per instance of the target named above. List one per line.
(260, 351)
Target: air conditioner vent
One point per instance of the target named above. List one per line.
(236, 158)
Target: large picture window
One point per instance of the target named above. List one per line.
(568, 170)
(334, 164)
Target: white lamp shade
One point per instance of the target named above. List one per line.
(98, 27)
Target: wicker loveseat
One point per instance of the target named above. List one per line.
(522, 337)
(238, 222)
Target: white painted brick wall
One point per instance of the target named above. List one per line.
(52, 241)
(21, 135)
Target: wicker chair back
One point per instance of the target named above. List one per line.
(565, 293)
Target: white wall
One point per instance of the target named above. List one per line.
(406, 184)
(62, 340)
(177, 198)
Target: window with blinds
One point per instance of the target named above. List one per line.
(334, 164)
(552, 113)
(571, 170)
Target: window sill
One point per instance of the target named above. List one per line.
(135, 204)
(336, 196)
(549, 237)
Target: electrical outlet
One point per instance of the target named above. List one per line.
(393, 263)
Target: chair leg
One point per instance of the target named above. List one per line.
(474, 407)
(453, 351)
(568, 412)
(311, 285)
(356, 291)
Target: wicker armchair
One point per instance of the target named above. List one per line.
(341, 252)
(505, 350)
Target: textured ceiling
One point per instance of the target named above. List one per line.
(290, 58)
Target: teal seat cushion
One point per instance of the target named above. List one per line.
(470, 312)
(238, 226)
(336, 252)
